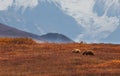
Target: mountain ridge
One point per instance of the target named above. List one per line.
(7, 31)
(56, 37)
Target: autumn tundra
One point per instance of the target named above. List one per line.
(25, 57)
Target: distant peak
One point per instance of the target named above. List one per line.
(57, 38)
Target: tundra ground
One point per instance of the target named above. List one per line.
(24, 57)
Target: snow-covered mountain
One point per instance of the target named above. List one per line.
(88, 20)
(42, 19)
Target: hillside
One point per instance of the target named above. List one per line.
(7, 31)
(48, 59)
(57, 38)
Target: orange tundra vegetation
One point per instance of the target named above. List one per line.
(25, 57)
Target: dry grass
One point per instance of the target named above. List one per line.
(24, 57)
